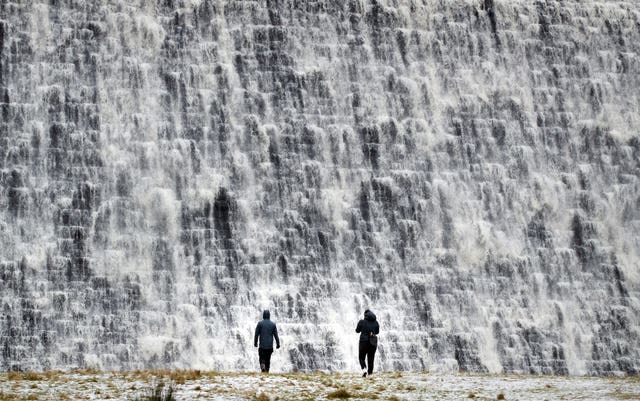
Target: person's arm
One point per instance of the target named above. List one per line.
(376, 329)
(359, 327)
(275, 335)
(255, 337)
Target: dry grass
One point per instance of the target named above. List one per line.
(32, 376)
(327, 383)
(80, 385)
(182, 376)
(340, 393)
(49, 375)
(8, 396)
(620, 395)
(178, 376)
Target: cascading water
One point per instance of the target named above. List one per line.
(469, 169)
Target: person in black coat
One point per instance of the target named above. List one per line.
(368, 329)
(266, 331)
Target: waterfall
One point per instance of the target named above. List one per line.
(467, 169)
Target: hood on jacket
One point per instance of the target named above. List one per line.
(266, 314)
(368, 315)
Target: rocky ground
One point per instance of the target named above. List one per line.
(196, 385)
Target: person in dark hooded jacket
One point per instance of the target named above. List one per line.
(368, 329)
(266, 331)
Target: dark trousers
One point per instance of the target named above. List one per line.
(369, 351)
(265, 359)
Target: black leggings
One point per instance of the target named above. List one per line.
(265, 359)
(369, 351)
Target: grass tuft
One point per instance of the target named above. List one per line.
(340, 393)
(500, 396)
(180, 376)
(14, 376)
(471, 395)
(261, 397)
(7, 396)
(31, 376)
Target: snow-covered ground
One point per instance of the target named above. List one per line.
(195, 385)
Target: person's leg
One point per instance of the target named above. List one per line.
(267, 359)
(362, 353)
(370, 357)
(261, 357)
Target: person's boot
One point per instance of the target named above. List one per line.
(364, 372)
(263, 368)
